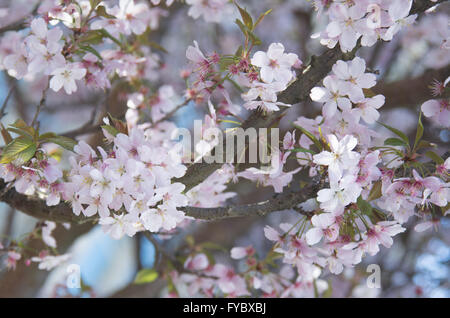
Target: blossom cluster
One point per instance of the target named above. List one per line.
(133, 180)
(218, 279)
(370, 185)
(42, 175)
(367, 20)
(346, 87)
(55, 46)
(275, 72)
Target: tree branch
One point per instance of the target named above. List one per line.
(280, 202)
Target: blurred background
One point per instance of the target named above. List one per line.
(418, 265)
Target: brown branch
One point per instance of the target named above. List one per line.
(280, 202)
(41, 103)
(62, 212)
(5, 103)
(38, 208)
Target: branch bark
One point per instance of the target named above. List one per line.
(280, 202)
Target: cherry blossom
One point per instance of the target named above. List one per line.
(275, 64)
(341, 156)
(438, 110)
(323, 227)
(66, 77)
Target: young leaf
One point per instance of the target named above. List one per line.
(94, 3)
(425, 144)
(261, 17)
(239, 51)
(419, 132)
(65, 142)
(108, 35)
(254, 38)
(300, 149)
(225, 62)
(90, 49)
(241, 26)
(394, 142)
(375, 192)
(6, 135)
(435, 157)
(101, 11)
(110, 129)
(145, 276)
(157, 46)
(20, 150)
(21, 128)
(118, 124)
(364, 206)
(310, 136)
(397, 132)
(246, 17)
(91, 37)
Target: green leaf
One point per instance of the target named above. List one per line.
(110, 129)
(157, 46)
(146, 276)
(88, 48)
(254, 38)
(108, 35)
(261, 17)
(91, 37)
(241, 26)
(310, 136)
(375, 192)
(435, 157)
(65, 142)
(397, 132)
(6, 135)
(118, 124)
(419, 132)
(364, 206)
(394, 142)
(20, 150)
(94, 3)
(246, 17)
(225, 62)
(47, 135)
(300, 149)
(101, 11)
(21, 128)
(239, 51)
(425, 144)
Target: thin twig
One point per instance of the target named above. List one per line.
(41, 104)
(2, 110)
(170, 114)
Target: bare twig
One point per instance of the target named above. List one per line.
(171, 113)
(41, 104)
(2, 110)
